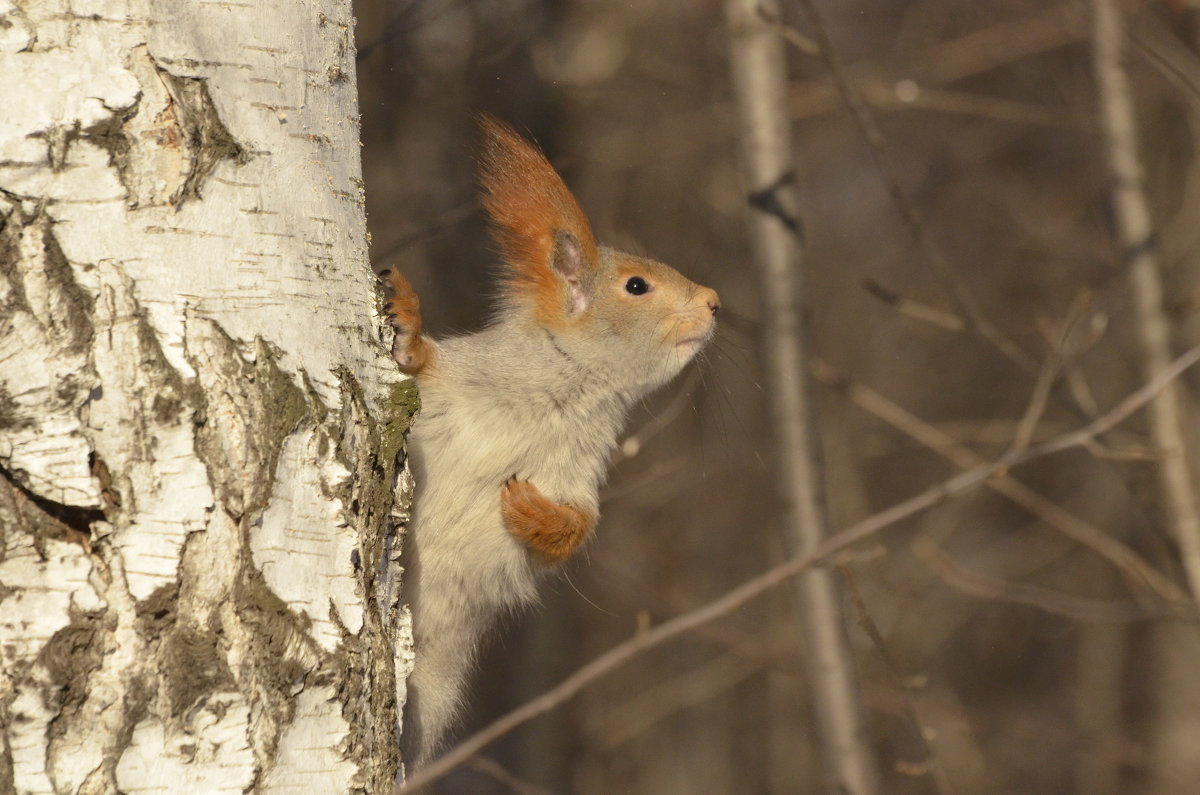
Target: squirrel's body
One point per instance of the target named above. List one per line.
(518, 421)
(471, 437)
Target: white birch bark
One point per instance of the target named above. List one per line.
(198, 425)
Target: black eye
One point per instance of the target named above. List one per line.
(636, 285)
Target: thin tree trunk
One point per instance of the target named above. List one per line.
(1135, 230)
(196, 462)
(1175, 646)
(760, 88)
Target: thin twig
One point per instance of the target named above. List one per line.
(1158, 382)
(932, 766)
(1136, 569)
(1040, 394)
(1074, 380)
(440, 223)
(1081, 391)
(906, 94)
(1161, 46)
(880, 154)
(999, 45)
(789, 34)
(985, 587)
(958, 58)
(914, 309)
(1060, 353)
(675, 692)
(775, 576)
(1136, 233)
(494, 770)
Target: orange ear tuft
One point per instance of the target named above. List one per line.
(530, 208)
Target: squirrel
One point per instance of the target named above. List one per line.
(518, 421)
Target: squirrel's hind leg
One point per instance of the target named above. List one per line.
(403, 309)
(552, 529)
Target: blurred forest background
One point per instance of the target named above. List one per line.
(1008, 656)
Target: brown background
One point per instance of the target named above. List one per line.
(1001, 153)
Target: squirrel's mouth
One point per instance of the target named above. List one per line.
(694, 342)
(696, 336)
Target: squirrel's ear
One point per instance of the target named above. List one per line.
(543, 234)
(571, 264)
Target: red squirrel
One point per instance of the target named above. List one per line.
(518, 421)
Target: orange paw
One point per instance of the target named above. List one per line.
(549, 528)
(403, 309)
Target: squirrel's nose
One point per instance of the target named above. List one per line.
(712, 300)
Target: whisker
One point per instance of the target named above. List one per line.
(575, 588)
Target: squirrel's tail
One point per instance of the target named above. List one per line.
(435, 693)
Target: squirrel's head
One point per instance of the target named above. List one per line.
(636, 319)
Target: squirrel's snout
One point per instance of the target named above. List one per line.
(710, 299)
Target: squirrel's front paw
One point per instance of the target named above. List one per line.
(552, 529)
(403, 309)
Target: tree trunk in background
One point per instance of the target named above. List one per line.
(198, 426)
(1176, 760)
(758, 64)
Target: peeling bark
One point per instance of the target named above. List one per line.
(199, 427)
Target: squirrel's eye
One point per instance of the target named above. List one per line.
(636, 285)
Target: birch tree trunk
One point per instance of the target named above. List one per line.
(198, 425)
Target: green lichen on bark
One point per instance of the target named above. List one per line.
(370, 447)
(402, 405)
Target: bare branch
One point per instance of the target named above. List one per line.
(1060, 353)
(1135, 568)
(679, 690)
(494, 770)
(1160, 381)
(985, 587)
(914, 309)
